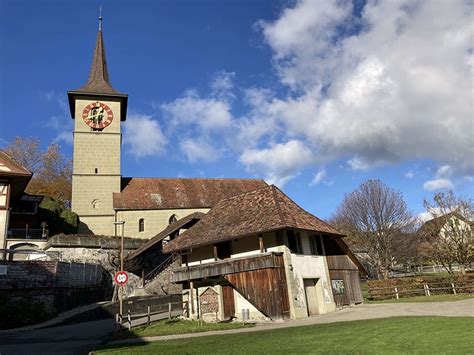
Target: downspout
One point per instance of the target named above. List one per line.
(7, 221)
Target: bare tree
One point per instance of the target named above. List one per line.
(52, 172)
(448, 236)
(375, 217)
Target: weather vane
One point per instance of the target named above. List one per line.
(100, 18)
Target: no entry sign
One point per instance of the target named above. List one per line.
(121, 278)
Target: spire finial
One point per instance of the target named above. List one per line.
(100, 18)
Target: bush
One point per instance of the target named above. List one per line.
(59, 219)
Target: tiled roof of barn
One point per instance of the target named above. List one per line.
(175, 193)
(251, 213)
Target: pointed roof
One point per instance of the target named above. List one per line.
(98, 83)
(259, 211)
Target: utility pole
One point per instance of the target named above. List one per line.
(122, 223)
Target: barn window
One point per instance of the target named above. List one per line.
(173, 219)
(294, 242)
(141, 225)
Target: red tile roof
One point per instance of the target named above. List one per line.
(251, 213)
(170, 193)
(9, 167)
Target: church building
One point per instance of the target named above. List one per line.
(240, 244)
(100, 195)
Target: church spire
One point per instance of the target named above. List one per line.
(99, 82)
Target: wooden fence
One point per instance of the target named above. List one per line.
(154, 313)
(424, 289)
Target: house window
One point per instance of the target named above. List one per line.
(294, 242)
(141, 225)
(173, 219)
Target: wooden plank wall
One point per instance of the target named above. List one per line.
(342, 268)
(266, 289)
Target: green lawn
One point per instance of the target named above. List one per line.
(176, 326)
(435, 335)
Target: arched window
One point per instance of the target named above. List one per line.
(141, 225)
(173, 219)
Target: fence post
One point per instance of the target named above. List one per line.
(454, 290)
(148, 314)
(427, 290)
(396, 293)
(129, 316)
(169, 310)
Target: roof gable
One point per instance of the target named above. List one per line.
(263, 210)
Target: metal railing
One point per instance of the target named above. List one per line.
(27, 233)
(157, 270)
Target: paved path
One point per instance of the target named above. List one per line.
(464, 308)
(74, 339)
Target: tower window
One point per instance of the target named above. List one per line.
(141, 225)
(96, 170)
(173, 219)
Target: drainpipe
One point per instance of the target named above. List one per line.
(7, 221)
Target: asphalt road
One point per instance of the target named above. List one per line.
(67, 339)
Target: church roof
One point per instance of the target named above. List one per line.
(263, 210)
(171, 193)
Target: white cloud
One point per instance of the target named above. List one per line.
(279, 163)
(223, 84)
(395, 89)
(198, 150)
(318, 177)
(409, 174)
(209, 113)
(438, 184)
(143, 136)
(444, 171)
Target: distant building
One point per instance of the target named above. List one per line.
(19, 224)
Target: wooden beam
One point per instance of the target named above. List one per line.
(215, 252)
(191, 296)
(260, 243)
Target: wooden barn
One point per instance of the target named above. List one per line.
(260, 255)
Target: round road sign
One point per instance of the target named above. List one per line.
(121, 278)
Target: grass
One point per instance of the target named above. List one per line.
(399, 335)
(176, 326)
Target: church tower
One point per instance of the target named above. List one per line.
(98, 110)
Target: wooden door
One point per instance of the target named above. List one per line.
(228, 301)
(311, 296)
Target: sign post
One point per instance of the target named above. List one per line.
(121, 277)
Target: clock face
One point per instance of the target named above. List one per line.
(97, 115)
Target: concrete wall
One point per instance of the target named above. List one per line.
(155, 220)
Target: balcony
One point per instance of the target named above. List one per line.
(228, 266)
(27, 233)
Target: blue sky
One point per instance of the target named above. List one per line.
(314, 96)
